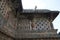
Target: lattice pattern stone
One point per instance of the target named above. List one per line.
(42, 24)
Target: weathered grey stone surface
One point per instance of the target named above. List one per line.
(5, 37)
(16, 24)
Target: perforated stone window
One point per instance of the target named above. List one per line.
(42, 24)
(2, 6)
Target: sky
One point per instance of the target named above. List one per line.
(45, 4)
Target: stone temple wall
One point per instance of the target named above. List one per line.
(39, 22)
(7, 12)
(11, 28)
(23, 24)
(8, 22)
(41, 26)
(5, 37)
